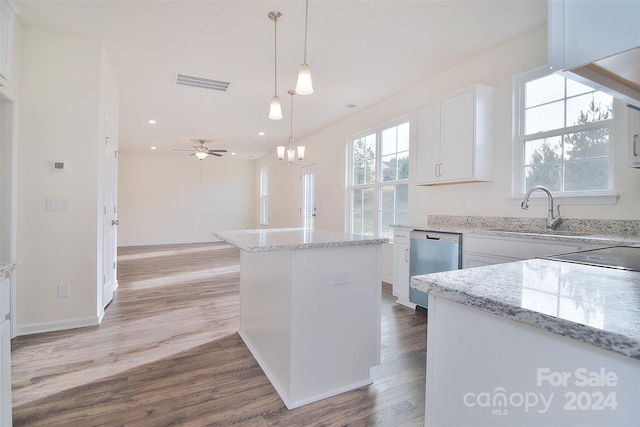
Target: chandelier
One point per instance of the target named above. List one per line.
(294, 154)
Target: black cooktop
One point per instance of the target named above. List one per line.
(619, 257)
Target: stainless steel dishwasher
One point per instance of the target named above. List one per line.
(432, 252)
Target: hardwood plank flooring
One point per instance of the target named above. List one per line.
(168, 354)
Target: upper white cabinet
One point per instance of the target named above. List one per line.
(597, 42)
(581, 32)
(454, 138)
(8, 10)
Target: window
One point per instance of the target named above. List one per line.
(264, 196)
(563, 134)
(378, 184)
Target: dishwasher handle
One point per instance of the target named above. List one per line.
(435, 236)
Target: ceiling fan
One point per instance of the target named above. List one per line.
(202, 151)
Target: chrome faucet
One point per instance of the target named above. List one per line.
(552, 221)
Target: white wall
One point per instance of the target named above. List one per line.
(59, 120)
(168, 198)
(495, 68)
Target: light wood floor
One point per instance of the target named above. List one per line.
(168, 354)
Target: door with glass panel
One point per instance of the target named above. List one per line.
(308, 210)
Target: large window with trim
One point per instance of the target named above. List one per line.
(563, 135)
(379, 176)
(264, 196)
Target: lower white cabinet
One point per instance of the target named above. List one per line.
(401, 258)
(479, 250)
(5, 354)
(5, 373)
(634, 139)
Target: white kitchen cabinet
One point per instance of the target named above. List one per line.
(8, 10)
(479, 250)
(581, 32)
(5, 354)
(454, 138)
(401, 257)
(633, 154)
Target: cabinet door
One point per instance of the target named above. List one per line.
(581, 32)
(401, 272)
(5, 373)
(457, 142)
(428, 145)
(596, 29)
(634, 139)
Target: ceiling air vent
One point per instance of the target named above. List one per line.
(185, 80)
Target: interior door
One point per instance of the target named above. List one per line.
(110, 221)
(308, 210)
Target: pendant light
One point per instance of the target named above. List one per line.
(294, 154)
(275, 110)
(304, 85)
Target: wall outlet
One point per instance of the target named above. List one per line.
(340, 278)
(63, 290)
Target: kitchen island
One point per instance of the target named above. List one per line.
(531, 343)
(309, 308)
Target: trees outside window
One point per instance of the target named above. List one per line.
(378, 184)
(564, 132)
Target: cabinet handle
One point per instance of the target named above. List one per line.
(435, 170)
(406, 255)
(635, 145)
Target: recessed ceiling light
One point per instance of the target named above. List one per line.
(233, 154)
(153, 147)
(261, 133)
(151, 122)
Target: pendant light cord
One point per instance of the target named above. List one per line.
(306, 24)
(292, 92)
(275, 57)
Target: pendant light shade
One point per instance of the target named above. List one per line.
(280, 150)
(304, 85)
(275, 110)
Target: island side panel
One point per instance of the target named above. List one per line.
(336, 327)
(265, 313)
(485, 370)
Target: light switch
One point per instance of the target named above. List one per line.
(57, 204)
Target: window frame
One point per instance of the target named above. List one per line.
(263, 213)
(586, 197)
(377, 184)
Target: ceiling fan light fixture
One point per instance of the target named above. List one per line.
(201, 155)
(275, 110)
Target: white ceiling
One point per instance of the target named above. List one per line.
(360, 52)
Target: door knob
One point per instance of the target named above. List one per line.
(115, 221)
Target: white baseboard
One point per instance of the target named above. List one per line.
(62, 325)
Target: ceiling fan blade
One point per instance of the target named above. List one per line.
(216, 154)
(216, 151)
(179, 149)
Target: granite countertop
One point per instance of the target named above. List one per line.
(606, 233)
(283, 239)
(595, 305)
(7, 267)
